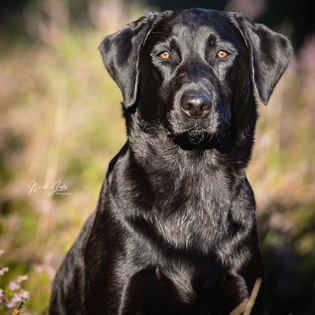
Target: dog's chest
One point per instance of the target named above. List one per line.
(192, 226)
(193, 216)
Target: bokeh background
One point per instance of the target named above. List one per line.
(60, 119)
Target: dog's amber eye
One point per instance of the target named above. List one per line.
(222, 54)
(164, 55)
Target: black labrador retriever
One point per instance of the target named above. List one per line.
(174, 231)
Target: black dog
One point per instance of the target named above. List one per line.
(175, 230)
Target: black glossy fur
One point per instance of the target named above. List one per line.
(174, 231)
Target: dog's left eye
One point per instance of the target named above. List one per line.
(164, 55)
(222, 54)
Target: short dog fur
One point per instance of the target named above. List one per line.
(174, 231)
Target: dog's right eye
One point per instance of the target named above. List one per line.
(222, 54)
(164, 55)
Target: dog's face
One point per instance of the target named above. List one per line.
(190, 70)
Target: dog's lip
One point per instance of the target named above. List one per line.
(196, 134)
(205, 114)
(194, 127)
(190, 140)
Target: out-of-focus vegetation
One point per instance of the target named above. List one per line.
(60, 119)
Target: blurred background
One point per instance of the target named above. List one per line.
(60, 120)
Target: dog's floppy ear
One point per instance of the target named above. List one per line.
(270, 53)
(120, 52)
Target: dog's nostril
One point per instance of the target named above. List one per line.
(196, 104)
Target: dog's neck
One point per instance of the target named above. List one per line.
(161, 153)
(193, 193)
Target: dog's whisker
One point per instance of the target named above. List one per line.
(225, 120)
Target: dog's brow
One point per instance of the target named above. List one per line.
(212, 39)
(159, 34)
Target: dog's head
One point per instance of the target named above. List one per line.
(189, 70)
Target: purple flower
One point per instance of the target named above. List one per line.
(13, 285)
(17, 297)
(25, 295)
(3, 271)
(11, 304)
(2, 294)
(22, 278)
(15, 293)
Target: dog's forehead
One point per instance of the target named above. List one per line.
(197, 24)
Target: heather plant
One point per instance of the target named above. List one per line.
(13, 296)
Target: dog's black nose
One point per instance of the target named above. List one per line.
(196, 104)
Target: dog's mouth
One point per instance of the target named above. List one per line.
(204, 140)
(194, 138)
(188, 141)
(199, 136)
